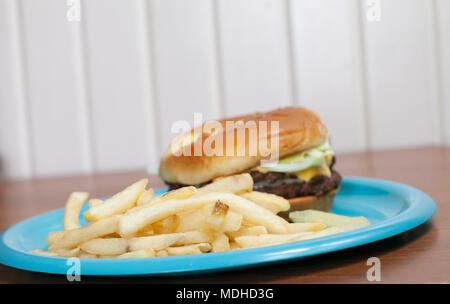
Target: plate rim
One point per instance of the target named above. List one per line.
(418, 212)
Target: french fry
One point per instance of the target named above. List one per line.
(145, 197)
(107, 256)
(234, 246)
(329, 219)
(108, 246)
(43, 252)
(304, 227)
(183, 250)
(222, 216)
(136, 208)
(204, 247)
(271, 239)
(193, 237)
(54, 236)
(192, 220)
(75, 237)
(85, 255)
(220, 243)
(67, 253)
(213, 216)
(167, 225)
(72, 209)
(252, 213)
(234, 184)
(143, 253)
(232, 222)
(272, 202)
(149, 214)
(147, 231)
(253, 241)
(209, 217)
(180, 193)
(333, 230)
(216, 215)
(95, 202)
(117, 204)
(189, 249)
(162, 253)
(247, 230)
(155, 242)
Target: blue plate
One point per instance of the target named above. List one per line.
(392, 208)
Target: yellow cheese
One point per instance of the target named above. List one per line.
(261, 170)
(309, 173)
(306, 174)
(329, 159)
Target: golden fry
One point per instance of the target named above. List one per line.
(272, 202)
(54, 236)
(75, 237)
(252, 241)
(143, 253)
(193, 237)
(72, 209)
(304, 227)
(247, 230)
(329, 219)
(220, 243)
(107, 246)
(222, 216)
(95, 202)
(251, 212)
(180, 193)
(145, 197)
(234, 184)
(117, 204)
(189, 249)
(155, 242)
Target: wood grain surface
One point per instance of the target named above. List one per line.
(421, 255)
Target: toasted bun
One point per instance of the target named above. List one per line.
(321, 203)
(299, 129)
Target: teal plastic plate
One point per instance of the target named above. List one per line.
(391, 208)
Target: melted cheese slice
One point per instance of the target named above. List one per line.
(306, 174)
(309, 173)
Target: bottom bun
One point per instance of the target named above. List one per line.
(322, 203)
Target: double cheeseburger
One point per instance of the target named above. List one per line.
(304, 173)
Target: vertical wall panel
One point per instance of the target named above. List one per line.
(326, 55)
(15, 154)
(103, 93)
(119, 86)
(443, 36)
(185, 62)
(255, 57)
(400, 74)
(52, 88)
(80, 62)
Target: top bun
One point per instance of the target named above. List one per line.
(299, 129)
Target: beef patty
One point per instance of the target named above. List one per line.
(287, 185)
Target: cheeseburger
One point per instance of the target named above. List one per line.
(302, 173)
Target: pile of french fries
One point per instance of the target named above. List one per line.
(224, 215)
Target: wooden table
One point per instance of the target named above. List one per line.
(421, 255)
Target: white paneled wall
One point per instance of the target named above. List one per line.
(401, 75)
(442, 34)
(51, 84)
(119, 85)
(15, 152)
(101, 94)
(328, 69)
(185, 62)
(254, 54)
